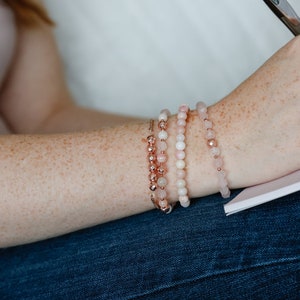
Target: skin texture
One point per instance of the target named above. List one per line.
(91, 169)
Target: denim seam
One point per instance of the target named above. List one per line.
(196, 279)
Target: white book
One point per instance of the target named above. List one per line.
(262, 193)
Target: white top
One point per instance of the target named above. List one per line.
(7, 39)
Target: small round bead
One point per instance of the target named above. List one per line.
(162, 146)
(161, 194)
(161, 158)
(181, 122)
(215, 151)
(210, 134)
(163, 203)
(181, 115)
(162, 182)
(180, 154)
(208, 124)
(162, 135)
(180, 164)
(180, 173)
(184, 108)
(180, 137)
(180, 183)
(182, 191)
(180, 146)
(201, 107)
(180, 130)
(185, 204)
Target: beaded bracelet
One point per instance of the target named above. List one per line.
(214, 149)
(180, 156)
(161, 193)
(151, 140)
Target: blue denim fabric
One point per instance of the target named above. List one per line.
(194, 253)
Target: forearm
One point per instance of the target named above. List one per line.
(53, 184)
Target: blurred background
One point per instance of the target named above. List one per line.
(136, 57)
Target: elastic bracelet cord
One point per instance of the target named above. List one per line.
(180, 156)
(214, 149)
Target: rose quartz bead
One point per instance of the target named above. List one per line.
(161, 158)
(181, 115)
(180, 146)
(161, 194)
(180, 183)
(184, 107)
(218, 162)
(180, 130)
(181, 122)
(163, 135)
(164, 114)
(208, 124)
(201, 107)
(182, 191)
(162, 182)
(180, 137)
(215, 151)
(210, 134)
(180, 154)
(180, 164)
(162, 146)
(180, 173)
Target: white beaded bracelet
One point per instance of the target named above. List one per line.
(180, 156)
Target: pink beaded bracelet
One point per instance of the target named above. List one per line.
(214, 149)
(180, 156)
(161, 193)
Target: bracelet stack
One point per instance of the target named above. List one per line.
(157, 157)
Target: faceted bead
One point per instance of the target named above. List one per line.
(215, 151)
(161, 158)
(161, 194)
(163, 135)
(162, 146)
(210, 134)
(162, 182)
(208, 124)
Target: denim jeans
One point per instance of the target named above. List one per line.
(193, 253)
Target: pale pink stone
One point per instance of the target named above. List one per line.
(180, 164)
(208, 124)
(181, 122)
(180, 154)
(218, 162)
(164, 114)
(180, 183)
(162, 146)
(180, 129)
(201, 107)
(185, 204)
(225, 192)
(181, 115)
(180, 146)
(163, 203)
(180, 173)
(184, 108)
(210, 134)
(222, 179)
(215, 151)
(182, 191)
(161, 158)
(162, 182)
(163, 135)
(161, 194)
(180, 137)
(203, 115)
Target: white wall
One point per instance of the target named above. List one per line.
(138, 56)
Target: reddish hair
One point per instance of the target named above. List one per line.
(29, 12)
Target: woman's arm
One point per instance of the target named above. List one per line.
(54, 184)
